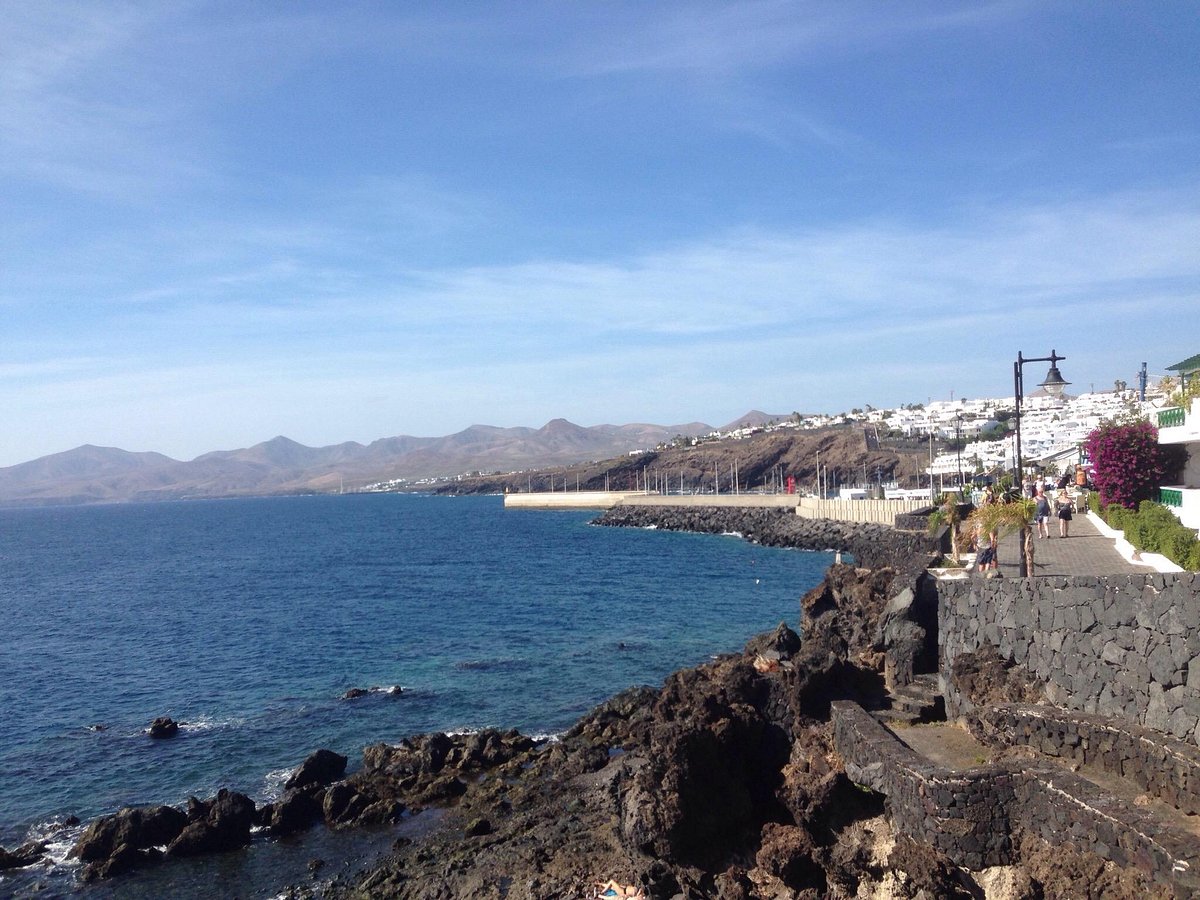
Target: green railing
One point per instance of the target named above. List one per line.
(1170, 497)
(1169, 418)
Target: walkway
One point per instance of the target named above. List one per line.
(1085, 552)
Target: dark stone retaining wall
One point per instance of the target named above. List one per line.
(964, 815)
(1161, 766)
(971, 815)
(1123, 646)
(873, 546)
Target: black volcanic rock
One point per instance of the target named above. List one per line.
(295, 811)
(132, 828)
(321, 768)
(216, 825)
(674, 790)
(163, 727)
(25, 855)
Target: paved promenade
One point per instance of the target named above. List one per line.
(1085, 552)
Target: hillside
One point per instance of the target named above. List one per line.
(92, 474)
(761, 461)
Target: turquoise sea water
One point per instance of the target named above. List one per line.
(248, 620)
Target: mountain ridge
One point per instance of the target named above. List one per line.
(93, 474)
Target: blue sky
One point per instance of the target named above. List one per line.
(224, 221)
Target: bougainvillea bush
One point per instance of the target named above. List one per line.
(1128, 464)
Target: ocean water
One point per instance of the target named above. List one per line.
(248, 620)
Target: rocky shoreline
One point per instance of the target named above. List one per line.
(723, 783)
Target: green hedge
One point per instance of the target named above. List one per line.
(1154, 529)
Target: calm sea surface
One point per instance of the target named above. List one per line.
(248, 620)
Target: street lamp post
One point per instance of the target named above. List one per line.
(1054, 384)
(958, 444)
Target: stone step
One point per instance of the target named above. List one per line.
(920, 700)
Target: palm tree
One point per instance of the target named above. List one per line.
(1001, 519)
(947, 514)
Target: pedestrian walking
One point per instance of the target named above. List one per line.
(1042, 513)
(1065, 513)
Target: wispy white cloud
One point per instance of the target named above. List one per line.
(719, 40)
(1017, 259)
(76, 109)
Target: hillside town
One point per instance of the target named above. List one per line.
(979, 431)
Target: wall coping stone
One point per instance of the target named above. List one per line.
(1161, 765)
(970, 815)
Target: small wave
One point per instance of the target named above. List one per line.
(273, 783)
(541, 737)
(736, 534)
(396, 689)
(58, 838)
(649, 528)
(204, 723)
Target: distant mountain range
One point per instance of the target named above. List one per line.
(91, 474)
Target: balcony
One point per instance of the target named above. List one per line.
(1184, 502)
(1179, 425)
(1171, 418)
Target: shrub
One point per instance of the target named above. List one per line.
(1115, 515)
(1154, 529)
(1128, 464)
(1193, 561)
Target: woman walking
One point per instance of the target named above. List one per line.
(1064, 513)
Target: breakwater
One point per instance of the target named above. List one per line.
(872, 546)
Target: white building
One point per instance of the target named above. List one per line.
(1181, 425)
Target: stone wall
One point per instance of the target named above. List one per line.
(1123, 646)
(964, 815)
(1161, 766)
(973, 815)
